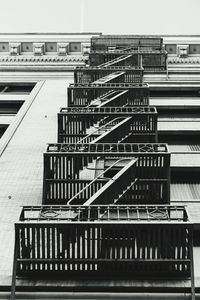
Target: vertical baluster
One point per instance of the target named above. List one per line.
(33, 248)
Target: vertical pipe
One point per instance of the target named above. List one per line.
(13, 287)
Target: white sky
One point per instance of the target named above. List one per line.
(106, 16)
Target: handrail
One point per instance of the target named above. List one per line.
(117, 129)
(173, 213)
(115, 60)
(109, 77)
(108, 109)
(109, 85)
(99, 128)
(112, 93)
(99, 67)
(116, 162)
(102, 97)
(141, 51)
(105, 148)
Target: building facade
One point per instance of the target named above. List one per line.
(35, 71)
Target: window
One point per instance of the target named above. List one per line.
(10, 107)
(176, 92)
(16, 88)
(3, 129)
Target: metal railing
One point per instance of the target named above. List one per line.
(74, 124)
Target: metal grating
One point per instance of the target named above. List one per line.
(105, 148)
(108, 110)
(103, 213)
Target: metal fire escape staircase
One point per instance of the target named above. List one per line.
(82, 95)
(108, 99)
(115, 124)
(151, 55)
(96, 233)
(115, 187)
(121, 60)
(112, 130)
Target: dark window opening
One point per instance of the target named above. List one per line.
(9, 88)
(186, 175)
(196, 237)
(182, 112)
(176, 139)
(2, 129)
(181, 92)
(10, 107)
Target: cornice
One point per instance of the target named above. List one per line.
(186, 60)
(44, 59)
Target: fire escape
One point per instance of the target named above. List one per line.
(106, 209)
